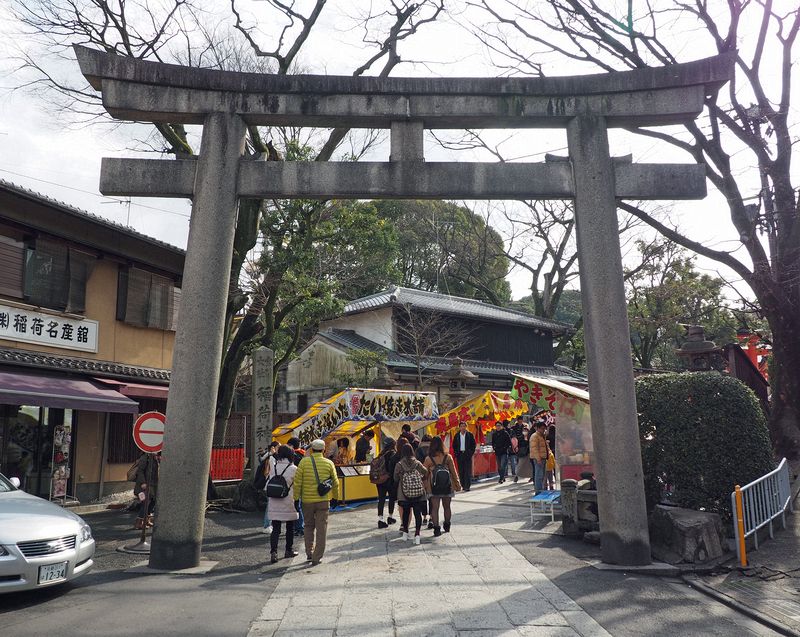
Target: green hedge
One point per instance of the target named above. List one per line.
(702, 433)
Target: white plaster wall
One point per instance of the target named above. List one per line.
(375, 325)
(317, 366)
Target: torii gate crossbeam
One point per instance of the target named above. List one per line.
(226, 103)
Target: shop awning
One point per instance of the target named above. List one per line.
(137, 390)
(353, 410)
(41, 390)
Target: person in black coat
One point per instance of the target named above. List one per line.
(463, 450)
(501, 443)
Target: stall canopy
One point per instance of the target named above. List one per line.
(573, 419)
(551, 395)
(484, 409)
(353, 410)
(61, 392)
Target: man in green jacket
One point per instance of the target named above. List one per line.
(312, 471)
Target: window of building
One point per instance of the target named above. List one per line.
(55, 276)
(302, 403)
(12, 259)
(145, 299)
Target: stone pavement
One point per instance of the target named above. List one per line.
(771, 583)
(468, 582)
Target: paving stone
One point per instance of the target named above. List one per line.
(488, 617)
(533, 612)
(489, 633)
(260, 628)
(425, 630)
(275, 608)
(547, 631)
(310, 617)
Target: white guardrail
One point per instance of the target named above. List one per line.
(757, 504)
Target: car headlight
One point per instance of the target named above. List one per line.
(86, 533)
(3, 551)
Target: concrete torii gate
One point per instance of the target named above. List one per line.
(225, 103)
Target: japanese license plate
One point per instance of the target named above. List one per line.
(52, 572)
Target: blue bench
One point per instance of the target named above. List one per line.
(544, 504)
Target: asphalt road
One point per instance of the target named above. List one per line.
(109, 602)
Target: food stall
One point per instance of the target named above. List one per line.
(573, 420)
(352, 411)
(481, 413)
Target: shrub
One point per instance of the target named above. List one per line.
(702, 433)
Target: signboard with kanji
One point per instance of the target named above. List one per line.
(17, 324)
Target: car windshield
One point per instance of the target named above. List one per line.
(5, 485)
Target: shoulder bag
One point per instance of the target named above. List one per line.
(323, 486)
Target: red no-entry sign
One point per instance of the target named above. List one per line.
(148, 431)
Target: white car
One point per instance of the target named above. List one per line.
(41, 544)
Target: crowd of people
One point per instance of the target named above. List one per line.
(414, 478)
(535, 442)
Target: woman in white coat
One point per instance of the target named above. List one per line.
(281, 509)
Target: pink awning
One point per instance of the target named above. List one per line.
(41, 390)
(137, 390)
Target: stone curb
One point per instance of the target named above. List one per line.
(87, 509)
(738, 606)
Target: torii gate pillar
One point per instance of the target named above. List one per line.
(620, 495)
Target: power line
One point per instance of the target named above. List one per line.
(94, 194)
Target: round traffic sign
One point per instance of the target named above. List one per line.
(148, 431)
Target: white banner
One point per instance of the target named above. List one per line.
(28, 326)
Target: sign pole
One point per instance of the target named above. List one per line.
(148, 434)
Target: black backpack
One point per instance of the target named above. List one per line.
(259, 479)
(277, 487)
(440, 480)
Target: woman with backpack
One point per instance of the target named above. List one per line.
(392, 464)
(380, 474)
(409, 476)
(444, 483)
(280, 492)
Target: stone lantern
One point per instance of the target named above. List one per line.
(456, 379)
(699, 354)
(384, 380)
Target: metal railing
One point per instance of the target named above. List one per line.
(758, 504)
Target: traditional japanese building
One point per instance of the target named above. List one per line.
(87, 319)
(423, 335)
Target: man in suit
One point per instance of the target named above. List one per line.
(464, 449)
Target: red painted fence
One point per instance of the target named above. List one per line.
(227, 463)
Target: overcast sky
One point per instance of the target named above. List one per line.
(48, 153)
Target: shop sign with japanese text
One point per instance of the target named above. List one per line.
(28, 326)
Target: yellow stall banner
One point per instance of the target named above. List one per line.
(354, 409)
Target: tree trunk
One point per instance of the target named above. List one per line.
(784, 377)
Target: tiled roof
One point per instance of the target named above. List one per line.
(350, 340)
(64, 207)
(453, 305)
(89, 366)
